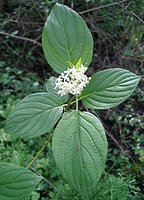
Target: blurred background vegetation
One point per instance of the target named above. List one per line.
(118, 31)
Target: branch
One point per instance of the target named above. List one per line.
(14, 52)
(136, 16)
(21, 38)
(104, 6)
(45, 179)
(23, 22)
(34, 5)
(132, 13)
(115, 141)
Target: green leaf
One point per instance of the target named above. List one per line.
(50, 87)
(108, 88)
(79, 63)
(66, 39)
(35, 115)
(16, 182)
(80, 148)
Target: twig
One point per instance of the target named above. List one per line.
(136, 16)
(110, 135)
(30, 31)
(19, 10)
(21, 54)
(115, 141)
(34, 5)
(14, 52)
(23, 22)
(104, 6)
(45, 179)
(132, 13)
(40, 151)
(21, 38)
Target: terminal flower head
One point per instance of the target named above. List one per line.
(72, 81)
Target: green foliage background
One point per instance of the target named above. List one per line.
(118, 32)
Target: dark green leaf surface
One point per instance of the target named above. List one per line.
(50, 85)
(80, 149)
(66, 39)
(16, 182)
(35, 115)
(108, 88)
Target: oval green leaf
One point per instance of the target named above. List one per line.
(66, 39)
(50, 87)
(108, 88)
(35, 115)
(80, 148)
(16, 182)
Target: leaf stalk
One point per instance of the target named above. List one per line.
(40, 151)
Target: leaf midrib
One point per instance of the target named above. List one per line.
(98, 91)
(78, 142)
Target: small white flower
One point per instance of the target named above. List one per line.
(72, 81)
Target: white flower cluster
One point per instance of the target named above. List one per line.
(72, 81)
